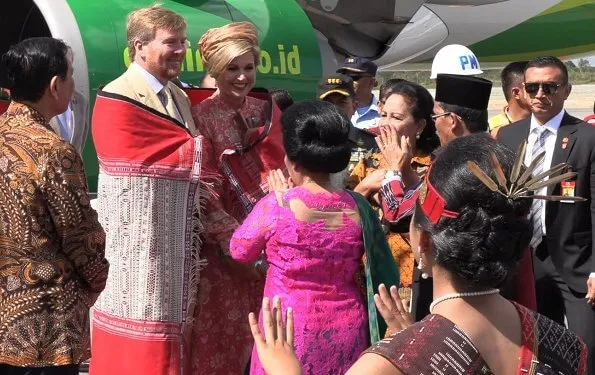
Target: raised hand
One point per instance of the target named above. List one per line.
(278, 183)
(396, 149)
(275, 349)
(392, 309)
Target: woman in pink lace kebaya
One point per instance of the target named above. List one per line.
(312, 237)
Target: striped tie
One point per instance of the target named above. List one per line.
(538, 204)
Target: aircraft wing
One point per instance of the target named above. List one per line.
(402, 34)
(369, 28)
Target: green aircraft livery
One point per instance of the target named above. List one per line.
(290, 56)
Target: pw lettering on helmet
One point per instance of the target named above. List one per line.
(455, 59)
(469, 62)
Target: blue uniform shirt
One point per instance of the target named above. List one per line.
(366, 117)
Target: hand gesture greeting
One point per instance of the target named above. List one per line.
(397, 150)
(275, 349)
(392, 309)
(278, 183)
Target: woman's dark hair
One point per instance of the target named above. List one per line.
(422, 107)
(482, 246)
(315, 136)
(31, 64)
(387, 88)
(282, 97)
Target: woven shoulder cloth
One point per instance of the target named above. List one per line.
(247, 168)
(380, 266)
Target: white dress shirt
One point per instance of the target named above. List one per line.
(156, 86)
(552, 127)
(66, 124)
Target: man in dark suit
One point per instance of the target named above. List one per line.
(563, 231)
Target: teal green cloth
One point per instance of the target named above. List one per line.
(380, 265)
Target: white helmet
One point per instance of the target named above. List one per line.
(455, 59)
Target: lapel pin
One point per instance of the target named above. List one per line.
(568, 188)
(564, 143)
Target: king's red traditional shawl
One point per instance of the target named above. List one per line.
(150, 178)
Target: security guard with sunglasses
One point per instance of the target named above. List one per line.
(363, 74)
(562, 241)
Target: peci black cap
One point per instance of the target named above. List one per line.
(358, 65)
(465, 91)
(335, 83)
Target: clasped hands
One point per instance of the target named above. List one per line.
(278, 183)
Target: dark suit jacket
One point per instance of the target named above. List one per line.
(569, 226)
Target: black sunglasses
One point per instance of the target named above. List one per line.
(357, 77)
(548, 88)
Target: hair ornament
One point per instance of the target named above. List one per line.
(519, 185)
(432, 203)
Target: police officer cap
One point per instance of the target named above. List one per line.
(335, 83)
(464, 91)
(358, 65)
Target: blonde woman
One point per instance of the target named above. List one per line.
(229, 290)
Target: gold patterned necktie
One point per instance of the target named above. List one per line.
(168, 102)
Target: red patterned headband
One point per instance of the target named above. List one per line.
(432, 203)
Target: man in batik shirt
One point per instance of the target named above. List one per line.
(52, 264)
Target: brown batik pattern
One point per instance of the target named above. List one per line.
(52, 264)
(398, 242)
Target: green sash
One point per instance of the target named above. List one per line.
(380, 265)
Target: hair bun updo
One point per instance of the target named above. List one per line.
(316, 136)
(484, 243)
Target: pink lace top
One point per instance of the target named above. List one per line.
(313, 244)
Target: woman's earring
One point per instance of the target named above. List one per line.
(417, 135)
(421, 265)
